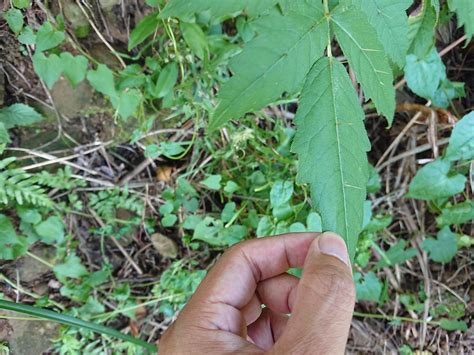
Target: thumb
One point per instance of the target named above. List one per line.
(324, 302)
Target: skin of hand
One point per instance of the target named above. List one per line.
(311, 315)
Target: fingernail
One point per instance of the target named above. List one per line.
(333, 245)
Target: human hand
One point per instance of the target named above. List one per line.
(225, 314)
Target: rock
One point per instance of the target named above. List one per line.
(165, 246)
(26, 336)
(29, 269)
(107, 5)
(76, 17)
(70, 101)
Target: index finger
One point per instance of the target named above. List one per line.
(233, 280)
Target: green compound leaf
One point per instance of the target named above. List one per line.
(443, 248)
(47, 37)
(424, 75)
(217, 8)
(366, 57)
(281, 55)
(461, 143)
(457, 214)
(421, 30)
(49, 68)
(19, 115)
(434, 180)
(331, 143)
(390, 20)
(465, 11)
(74, 67)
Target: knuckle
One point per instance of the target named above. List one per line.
(333, 283)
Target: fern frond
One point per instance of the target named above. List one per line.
(17, 186)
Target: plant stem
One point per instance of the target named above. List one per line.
(327, 14)
(74, 322)
(37, 258)
(392, 318)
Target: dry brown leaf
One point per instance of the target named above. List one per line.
(163, 173)
(165, 246)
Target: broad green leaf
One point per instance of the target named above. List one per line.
(421, 30)
(147, 26)
(435, 180)
(281, 193)
(168, 149)
(424, 75)
(47, 37)
(4, 136)
(461, 143)
(218, 8)
(276, 61)
(265, 227)
(314, 222)
(390, 20)
(21, 4)
(228, 211)
(102, 79)
(366, 57)
(19, 115)
(169, 220)
(373, 184)
(212, 182)
(11, 245)
(397, 254)
(448, 91)
(29, 215)
(331, 143)
(14, 18)
(297, 227)
(51, 230)
(368, 287)
(465, 12)
(457, 214)
(171, 149)
(195, 39)
(27, 36)
(127, 103)
(74, 68)
(231, 187)
(49, 68)
(451, 324)
(167, 80)
(71, 267)
(443, 248)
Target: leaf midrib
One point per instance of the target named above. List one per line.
(339, 154)
(376, 71)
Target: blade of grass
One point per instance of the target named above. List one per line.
(73, 322)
